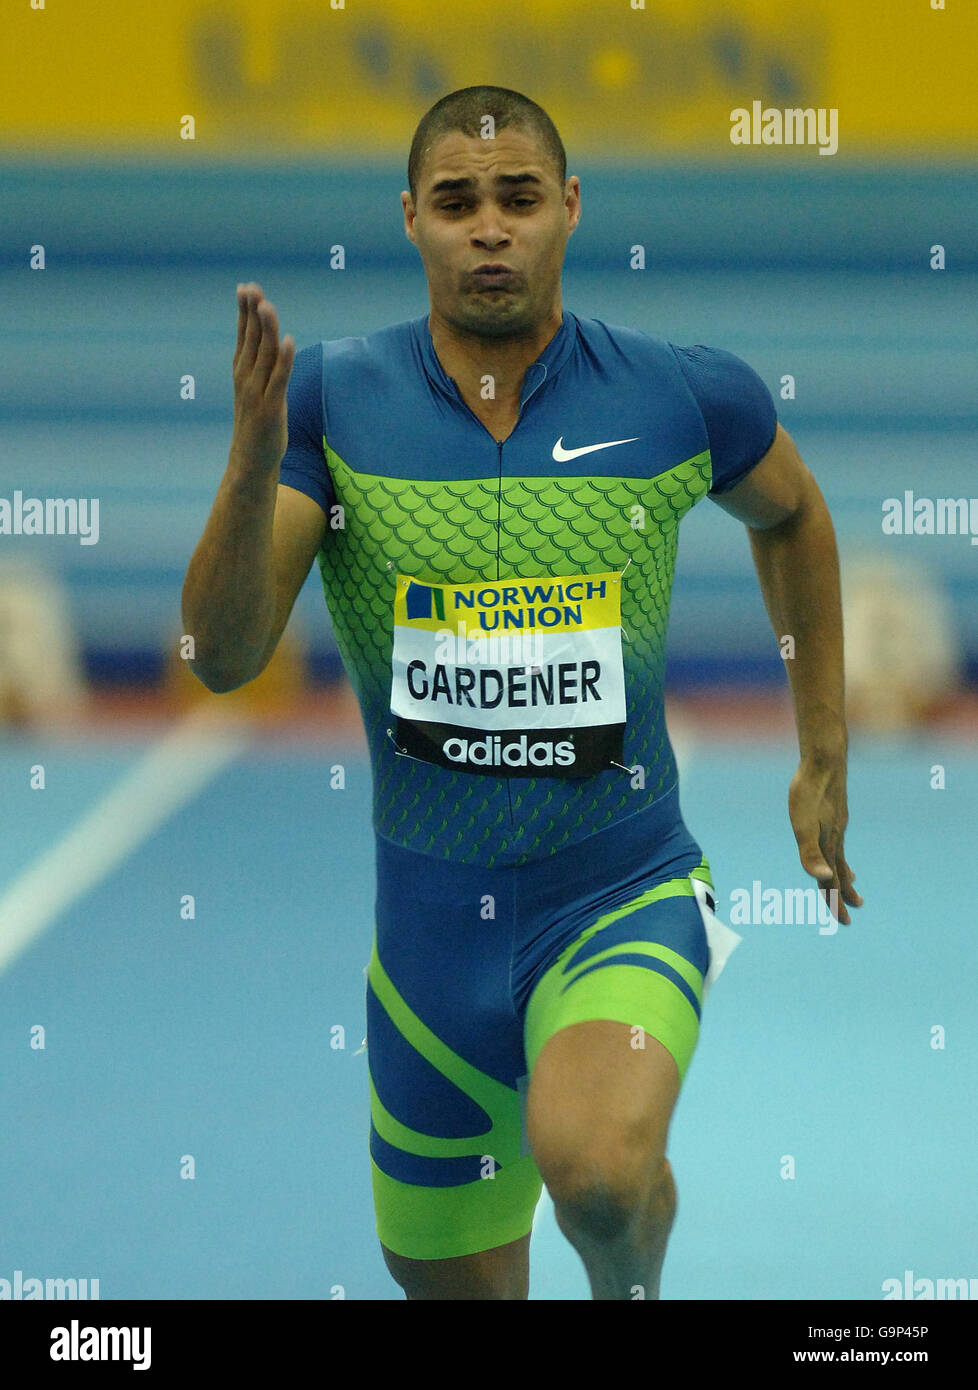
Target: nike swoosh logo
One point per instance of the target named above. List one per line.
(562, 455)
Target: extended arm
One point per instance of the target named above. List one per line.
(793, 544)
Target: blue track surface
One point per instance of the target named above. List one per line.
(215, 1038)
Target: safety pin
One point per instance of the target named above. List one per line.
(402, 752)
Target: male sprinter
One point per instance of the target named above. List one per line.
(493, 492)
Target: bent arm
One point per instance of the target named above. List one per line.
(794, 548)
(243, 579)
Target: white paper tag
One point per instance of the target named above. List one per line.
(721, 939)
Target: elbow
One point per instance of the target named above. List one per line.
(220, 682)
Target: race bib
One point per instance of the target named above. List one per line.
(512, 677)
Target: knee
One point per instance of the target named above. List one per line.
(494, 1274)
(475, 1289)
(603, 1204)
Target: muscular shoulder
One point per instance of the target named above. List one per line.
(737, 408)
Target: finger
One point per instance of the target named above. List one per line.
(832, 891)
(279, 378)
(829, 888)
(843, 888)
(268, 344)
(814, 862)
(249, 349)
(812, 858)
(830, 895)
(242, 320)
(846, 877)
(835, 904)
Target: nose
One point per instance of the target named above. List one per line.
(489, 231)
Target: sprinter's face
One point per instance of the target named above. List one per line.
(492, 203)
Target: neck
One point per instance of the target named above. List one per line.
(469, 357)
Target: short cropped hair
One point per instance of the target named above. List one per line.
(464, 111)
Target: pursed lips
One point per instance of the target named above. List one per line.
(493, 274)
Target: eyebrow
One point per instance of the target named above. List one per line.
(462, 185)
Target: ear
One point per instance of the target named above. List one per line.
(410, 213)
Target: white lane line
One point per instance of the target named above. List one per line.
(168, 776)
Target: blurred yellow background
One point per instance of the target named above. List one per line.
(265, 74)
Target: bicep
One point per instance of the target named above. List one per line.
(298, 528)
(774, 489)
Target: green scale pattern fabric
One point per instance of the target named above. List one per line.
(491, 529)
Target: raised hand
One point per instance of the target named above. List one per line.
(261, 372)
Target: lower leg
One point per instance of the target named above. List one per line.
(623, 1249)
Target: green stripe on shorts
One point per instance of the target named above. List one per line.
(627, 994)
(434, 1223)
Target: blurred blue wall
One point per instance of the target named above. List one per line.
(817, 272)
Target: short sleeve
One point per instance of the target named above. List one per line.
(304, 462)
(738, 410)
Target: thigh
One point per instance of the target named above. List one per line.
(612, 1024)
(451, 1169)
